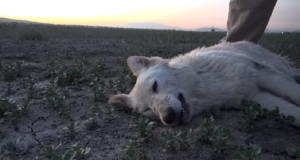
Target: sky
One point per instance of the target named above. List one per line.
(188, 14)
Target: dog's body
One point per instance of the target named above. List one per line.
(174, 90)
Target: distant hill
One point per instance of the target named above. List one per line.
(282, 30)
(153, 25)
(148, 25)
(8, 20)
(208, 29)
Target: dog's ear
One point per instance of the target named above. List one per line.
(139, 63)
(120, 100)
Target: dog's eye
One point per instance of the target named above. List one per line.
(154, 87)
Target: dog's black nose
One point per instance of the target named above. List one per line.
(169, 116)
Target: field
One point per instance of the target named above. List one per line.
(55, 82)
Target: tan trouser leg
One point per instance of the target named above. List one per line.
(248, 19)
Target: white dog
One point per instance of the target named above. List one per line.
(174, 90)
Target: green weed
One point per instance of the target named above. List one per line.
(98, 88)
(56, 100)
(9, 149)
(10, 111)
(133, 150)
(215, 134)
(98, 67)
(252, 113)
(294, 152)
(67, 75)
(248, 153)
(75, 153)
(94, 113)
(175, 140)
(121, 85)
(11, 71)
(71, 130)
(29, 86)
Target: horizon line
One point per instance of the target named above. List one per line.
(120, 25)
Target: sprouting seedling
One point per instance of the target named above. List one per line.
(29, 86)
(56, 100)
(294, 152)
(175, 141)
(94, 113)
(220, 137)
(9, 149)
(121, 85)
(207, 128)
(107, 112)
(99, 90)
(215, 134)
(71, 130)
(11, 71)
(142, 124)
(248, 153)
(133, 150)
(80, 152)
(66, 75)
(75, 153)
(251, 112)
(10, 111)
(99, 66)
(51, 154)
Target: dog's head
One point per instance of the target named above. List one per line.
(158, 93)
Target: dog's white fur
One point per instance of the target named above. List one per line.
(217, 76)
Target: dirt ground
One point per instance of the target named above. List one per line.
(108, 132)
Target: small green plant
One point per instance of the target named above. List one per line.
(121, 85)
(98, 88)
(75, 153)
(275, 114)
(67, 75)
(9, 149)
(248, 153)
(55, 99)
(253, 112)
(215, 134)
(11, 71)
(80, 152)
(10, 111)
(107, 112)
(99, 66)
(133, 150)
(94, 113)
(294, 152)
(71, 130)
(220, 138)
(51, 154)
(207, 128)
(29, 86)
(175, 141)
(143, 126)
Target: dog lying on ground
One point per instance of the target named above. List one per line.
(175, 90)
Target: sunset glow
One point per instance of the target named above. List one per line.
(186, 14)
